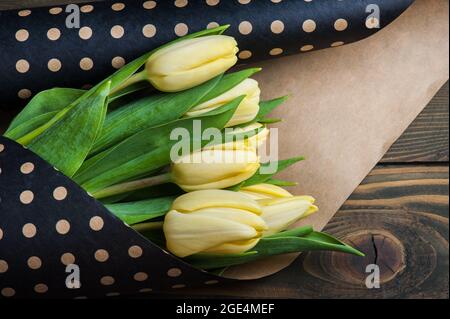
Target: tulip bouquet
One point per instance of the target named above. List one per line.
(119, 142)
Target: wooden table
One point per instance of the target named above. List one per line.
(398, 216)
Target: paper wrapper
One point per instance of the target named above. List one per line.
(347, 106)
(38, 51)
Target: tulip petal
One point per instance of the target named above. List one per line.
(188, 234)
(265, 191)
(237, 215)
(215, 198)
(279, 214)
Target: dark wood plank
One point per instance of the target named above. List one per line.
(426, 140)
(399, 218)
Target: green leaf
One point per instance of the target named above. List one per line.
(138, 212)
(228, 82)
(148, 112)
(40, 109)
(259, 178)
(269, 120)
(281, 183)
(266, 107)
(268, 247)
(60, 146)
(296, 232)
(115, 80)
(147, 150)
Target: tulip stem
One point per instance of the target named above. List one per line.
(135, 78)
(132, 186)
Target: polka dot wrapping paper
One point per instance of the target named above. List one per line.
(38, 51)
(48, 222)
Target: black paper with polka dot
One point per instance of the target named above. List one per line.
(38, 51)
(48, 224)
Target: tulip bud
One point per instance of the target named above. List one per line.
(279, 214)
(213, 222)
(254, 141)
(265, 191)
(219, 168)
(246, 111)
(191, 62)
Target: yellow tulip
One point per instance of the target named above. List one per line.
(213, 222)
(265, 191)
(187, 63)
(246, 111)
(281, 213)
(255, 141)
(191, 62)
(219, 168)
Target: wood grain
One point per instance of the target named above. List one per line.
(426, 140)
(399, 218)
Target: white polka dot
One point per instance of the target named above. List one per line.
(117, 31)
(135, 251)
(3, 266)
(67, 259)
(244, 1)
(101, 255)
(26, 197)
(29, 230)
(337, 43)
(24, 94)
(8, 292)
(55, 11)
(277, 27)
(174, 272)
(62, 227)
(34, 262)
(87, 8)
(86, 64)
(96, 223)
(180, 286)
(245, 28)
(27, 168)
(54, 65)
(149, 5)
(60, 193)
(181, 3)
(118, 62)
(140, 276)
(306, 48)
(41, 288)
(22, 66)
(212, 25)
(24, 13)
(107, 281)
(149, 31)
(22, 35)
(246, 54)
(2, 148)
(181, 29)
(119, 6)
(85, 33)
(53, 34)
(212, 2)
(340, 24)
(309, 26)
(1, 234)
(276, 51)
